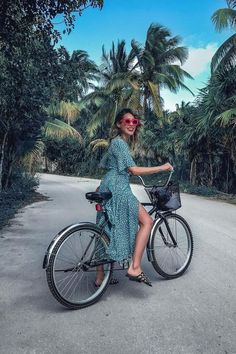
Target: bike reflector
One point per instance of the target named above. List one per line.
(98, 207)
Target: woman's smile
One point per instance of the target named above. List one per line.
(127, 125)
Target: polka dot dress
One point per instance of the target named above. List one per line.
(122, 208)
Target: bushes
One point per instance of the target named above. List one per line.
(22, 191)
(66, 154)
(199, 190)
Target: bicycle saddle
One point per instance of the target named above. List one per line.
(98, 197)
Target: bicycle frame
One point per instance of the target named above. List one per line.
(158, 216)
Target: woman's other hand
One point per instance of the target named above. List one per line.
(167, 167)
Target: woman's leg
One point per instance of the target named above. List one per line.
(146, 223)
(99, 275)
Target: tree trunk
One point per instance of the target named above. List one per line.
(11, 162)
(46, 164)
(2, 158)
(210, 182)
(145, 106)
(211, 171)
(145, 101)
(193, 171)
(227, 174)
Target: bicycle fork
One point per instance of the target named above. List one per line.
(149, 249)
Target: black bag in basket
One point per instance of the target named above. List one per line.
(166, 198)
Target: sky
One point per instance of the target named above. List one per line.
(130, 19)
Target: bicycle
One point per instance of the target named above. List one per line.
(76, 251)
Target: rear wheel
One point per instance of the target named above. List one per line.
(71, 271)
(171, 256)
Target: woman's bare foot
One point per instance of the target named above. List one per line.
(134, 271)
(113, 281)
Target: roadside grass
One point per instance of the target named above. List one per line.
(209, 192)
(21, 193)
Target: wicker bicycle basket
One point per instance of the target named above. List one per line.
(167, 197)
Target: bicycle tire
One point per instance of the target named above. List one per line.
(167, 253)
(51, 271)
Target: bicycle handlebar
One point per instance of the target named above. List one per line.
(147, 186)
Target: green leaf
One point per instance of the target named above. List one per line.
(227, 118)
(58, 129)
(99, 143)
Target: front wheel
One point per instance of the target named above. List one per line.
(171, 246)
(73, 263)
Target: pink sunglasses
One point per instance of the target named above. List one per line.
(128, 121)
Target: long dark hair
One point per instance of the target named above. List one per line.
(115, 130)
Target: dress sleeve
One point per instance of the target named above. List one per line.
(121, 152)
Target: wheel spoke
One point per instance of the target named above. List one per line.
(170, 260)
(72, 269)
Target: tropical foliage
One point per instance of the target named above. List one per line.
(62, 105)
(135, 79)
(33, 76)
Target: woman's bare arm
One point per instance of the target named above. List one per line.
(137, 171)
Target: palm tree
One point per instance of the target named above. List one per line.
(212, 136)
(118, 87)
(68, 111)
(76, 76)
(157, 64)
(135, 79)
(54, 128)
(225, 56)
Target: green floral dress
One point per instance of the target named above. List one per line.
(122, 208)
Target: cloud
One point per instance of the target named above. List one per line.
(197, 65)
(199, 59)
(170, 99)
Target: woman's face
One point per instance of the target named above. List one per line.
(128, 125)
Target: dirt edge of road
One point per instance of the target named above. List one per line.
(34, 198)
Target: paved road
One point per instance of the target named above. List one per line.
(193, 314)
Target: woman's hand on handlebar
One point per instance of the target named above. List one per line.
(167, 167)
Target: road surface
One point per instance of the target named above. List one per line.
(192, 314)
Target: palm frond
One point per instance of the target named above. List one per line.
(177, 72)
(59, 129)
(69, 111)
(33, 155)
(165, 81)
(171, 78)
(226, 118)
(96, 97)
(224, 18)
(138, 51)
(231, 99)
(226, 52)
(170, 56)
(184, 87)
(118, 82)
(99, 143)
(105, 114)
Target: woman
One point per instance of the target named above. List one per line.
(131, 224)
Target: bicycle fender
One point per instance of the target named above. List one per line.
(60, 235)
